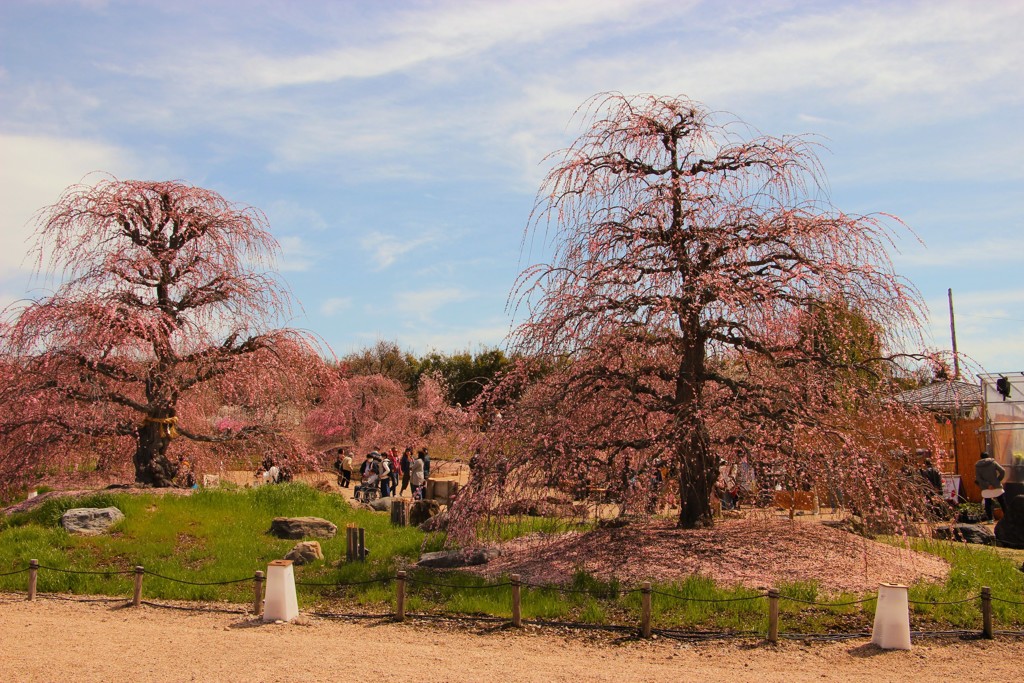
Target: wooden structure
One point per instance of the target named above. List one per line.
(960, 427)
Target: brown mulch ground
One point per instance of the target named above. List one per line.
(756, 552)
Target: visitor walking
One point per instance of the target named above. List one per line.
(416, 477)
(989, 474)
(404, 464)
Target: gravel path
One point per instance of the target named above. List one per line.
(54, 640)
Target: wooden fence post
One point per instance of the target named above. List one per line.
(645, 609)
(257, 589)
(517, 602)
(986, 612)
(400, 597)
(350, 547)
(33, 577)
(137, 597)
(400, 512)
(773, 616)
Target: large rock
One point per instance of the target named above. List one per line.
(90, 521)
(1010, 529)
(422, 510)
(382, 504)
(302, 527)
(452, 559)
(968, 533)
(305, 552)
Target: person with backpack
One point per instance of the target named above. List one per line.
(384, 472)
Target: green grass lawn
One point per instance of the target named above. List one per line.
(221, 535)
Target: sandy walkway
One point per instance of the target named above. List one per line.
(51, 640)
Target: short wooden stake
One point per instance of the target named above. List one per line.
(517, 601)
(400, 512)
(773, 616)
(33, 577)
(257, 590)
(400, 597)
(645, 609)
(137, 597)
(361, 544)
(986, 612)
(350, 548)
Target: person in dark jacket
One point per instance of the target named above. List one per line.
(989, 474)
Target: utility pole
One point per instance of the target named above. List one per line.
(956, 376)
(952, 333)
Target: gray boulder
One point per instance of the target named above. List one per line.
(302, 527)
(90, 521)
(305, 552)
(382, 504)
(967, 533)
(452, 559)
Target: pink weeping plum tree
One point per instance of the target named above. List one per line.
(164, 312)
(704, 302)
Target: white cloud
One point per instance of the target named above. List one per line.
(34, 173)
(965, 252)
(423, 303)
(398, 42)
(334, 305)
(296, 255)
(386, 249)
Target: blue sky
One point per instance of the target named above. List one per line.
(397, 147)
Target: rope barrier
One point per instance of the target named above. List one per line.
(689, 599)
(1008, 602)
(17, 571)
(576, 591)
(196, 583)
(828, 604)
(951, 602)
(595, 592)
(451, 585)
(111, 572)
(385, 580)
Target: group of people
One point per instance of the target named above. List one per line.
(270, 472)
(381, 472)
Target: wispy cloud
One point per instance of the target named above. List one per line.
(335, 305)
(997, 249)
(386, 249)
(296, 254)
(424, 303)
(35, 171)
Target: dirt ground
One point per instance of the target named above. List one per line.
(70, 641)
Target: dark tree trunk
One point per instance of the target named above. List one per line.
(152, 467)
(697, 475)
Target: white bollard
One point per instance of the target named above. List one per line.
(280, 603)
(892, 618)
